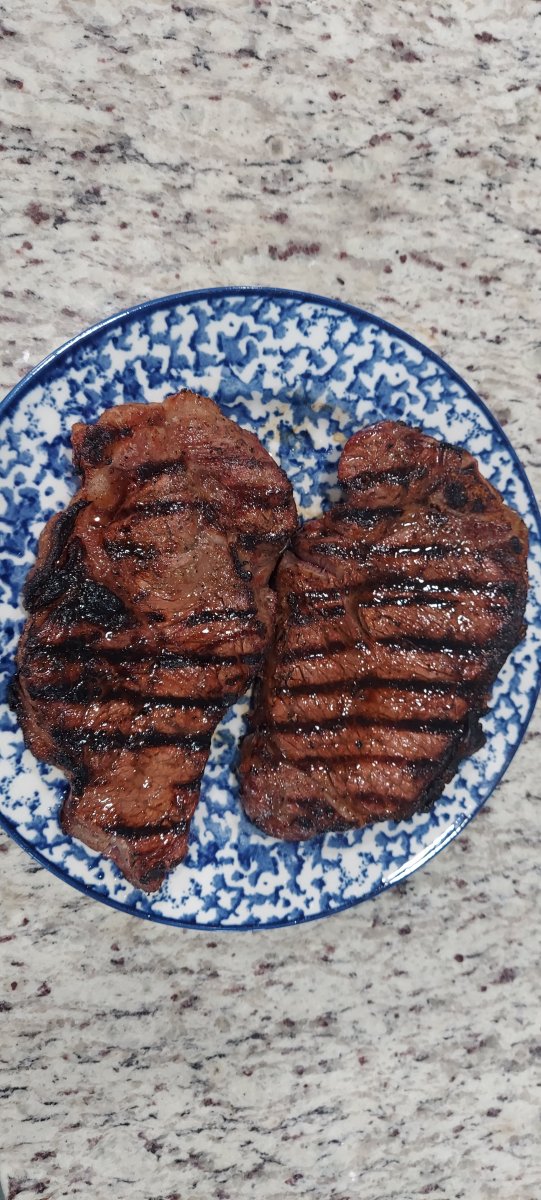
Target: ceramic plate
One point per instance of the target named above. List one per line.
(303, 373)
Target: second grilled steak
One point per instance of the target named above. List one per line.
(395, 612)
(150, 614)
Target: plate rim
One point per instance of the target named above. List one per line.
(18, 391)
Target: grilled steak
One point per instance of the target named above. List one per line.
(150, 614)
(395, 612)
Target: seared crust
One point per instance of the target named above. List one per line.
(395, 612)
(150, 614)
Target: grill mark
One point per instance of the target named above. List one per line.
(102, 740)
(455, 495)
(74, 649)
(90, 603)
(96, 440)
(388, 802)
(209, 615)
(444, 602)
(163, 508)
(250, 540)
(326, 613)
(408, 602)
(414, 766)
(240, 569)
(439, 645)
(307, 617)
(501, 610)
(409, 724)
(215, 704)
(332, 610)
(455, 585)
(366, 515)
(134, 835)
(294, 600)
(319, 594)
(396, 475)
(77, 692)
(84, 693)
(362, 553)
(153, 470)
(46, 582)
(363, 682)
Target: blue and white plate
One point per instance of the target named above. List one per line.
(303, 373)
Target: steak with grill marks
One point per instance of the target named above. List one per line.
(395, 612)
(150, 614)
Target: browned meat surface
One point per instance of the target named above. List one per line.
(395, 613)
(150, 614)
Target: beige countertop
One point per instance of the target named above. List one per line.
(387, 155)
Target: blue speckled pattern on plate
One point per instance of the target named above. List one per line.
(303, 373)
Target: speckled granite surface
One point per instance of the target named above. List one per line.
(387, 154)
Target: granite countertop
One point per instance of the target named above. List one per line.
(388, 155)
